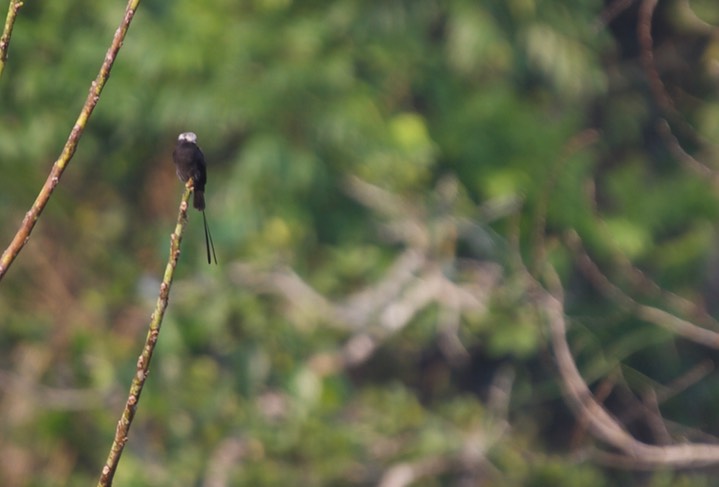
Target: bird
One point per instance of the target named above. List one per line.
(190, 164)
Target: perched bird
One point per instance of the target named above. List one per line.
(190, 164)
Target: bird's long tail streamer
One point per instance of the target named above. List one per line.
(209, 244)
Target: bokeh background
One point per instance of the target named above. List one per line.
(381, 176)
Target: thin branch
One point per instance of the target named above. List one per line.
(12, 11)
(31, 217)
(143, 362)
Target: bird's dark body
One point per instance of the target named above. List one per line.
(190, 163)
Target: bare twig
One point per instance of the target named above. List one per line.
(143, 363)
(7, 31)
(31, 217)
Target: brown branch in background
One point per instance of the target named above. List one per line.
(31, 217)
(12, 11)
(591, 271)
(635, 277)
(650, 314)
(646, 43)
(143, 363)
(601, 393)
(677, 325)
(660, 94)
(600, 422)
(642, 283)
(645, 408)
(653, 418)
(674, 388)
(675, 148)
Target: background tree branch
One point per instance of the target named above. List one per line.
(31, 217)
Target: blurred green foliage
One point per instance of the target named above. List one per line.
(464, 117)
